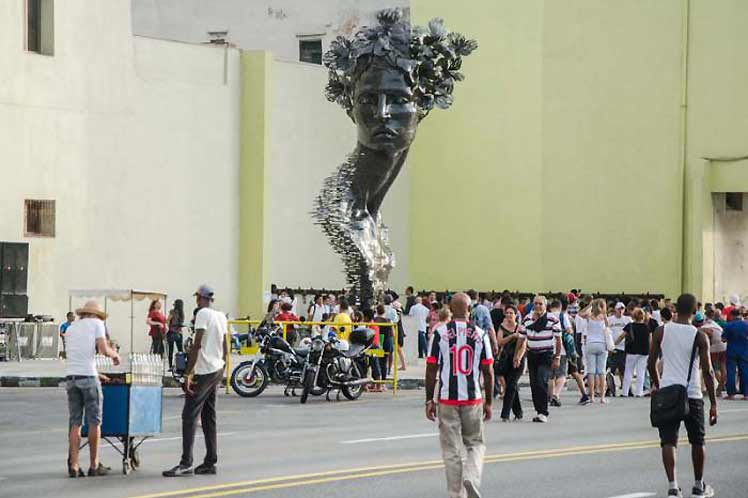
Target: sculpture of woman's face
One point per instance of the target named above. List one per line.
(384, 110)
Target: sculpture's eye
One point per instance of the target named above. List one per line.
(401, 100)
(367, 99)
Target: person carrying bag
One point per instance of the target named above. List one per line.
(670, 404)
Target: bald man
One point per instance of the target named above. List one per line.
(459, 353)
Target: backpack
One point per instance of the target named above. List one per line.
(567, 339)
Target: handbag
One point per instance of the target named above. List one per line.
(609, 344)
(670, 404)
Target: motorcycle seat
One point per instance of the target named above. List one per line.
(301, 351)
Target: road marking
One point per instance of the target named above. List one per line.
(384, 470)
(736, 410)
(391, 438)
(635, 495)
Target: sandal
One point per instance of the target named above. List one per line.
(101, 470)
(74, 473)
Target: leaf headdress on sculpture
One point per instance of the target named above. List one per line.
(430, 58)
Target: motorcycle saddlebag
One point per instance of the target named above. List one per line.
(362, 336)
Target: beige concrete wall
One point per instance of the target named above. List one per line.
(137, 141)
(273, 25)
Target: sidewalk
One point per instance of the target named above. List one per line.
(50, 373)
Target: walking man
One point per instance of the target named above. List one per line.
(684, 349)
(83, 339)
(460, 352)
(543, 335)
(203, 374)
(421, 314)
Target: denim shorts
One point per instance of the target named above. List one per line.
(596, 355)
(84, 395)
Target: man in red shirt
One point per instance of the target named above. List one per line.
(287, 316)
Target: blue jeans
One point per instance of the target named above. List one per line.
(596, 355)
(422, 344)
(739, 364)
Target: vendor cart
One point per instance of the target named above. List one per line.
(131, 415)
(132, 392)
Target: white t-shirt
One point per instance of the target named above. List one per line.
(317, 311)
(80, 346)
(565, 326)
(421, 314)
(581, 325)
(616, 329)
(210, 357)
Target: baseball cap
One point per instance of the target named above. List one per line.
(698, 317)
(571, 297)
(620, 306)
(205, 291)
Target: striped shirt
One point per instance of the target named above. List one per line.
(460, 348)
(544, 339)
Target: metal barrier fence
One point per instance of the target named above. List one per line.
(31, 341)
(334, 326)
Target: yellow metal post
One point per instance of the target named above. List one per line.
(395, 332)
(284, 331)
(228, 357)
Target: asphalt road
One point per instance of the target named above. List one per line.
(376, 447)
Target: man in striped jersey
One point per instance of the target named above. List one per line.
(459, 353)
(543, 335)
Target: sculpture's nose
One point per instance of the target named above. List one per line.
(383, 107)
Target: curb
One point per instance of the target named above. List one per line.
(170, 382)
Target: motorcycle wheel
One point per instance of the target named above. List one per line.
(354, 392)
(308, 386)
(249, 383)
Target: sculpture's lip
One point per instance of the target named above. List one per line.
(385, 133)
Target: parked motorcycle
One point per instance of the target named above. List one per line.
(333, 364)
(276, 361)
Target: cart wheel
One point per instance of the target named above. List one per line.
(125, 467)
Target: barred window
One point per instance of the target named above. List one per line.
(40, 218)
(310, 51)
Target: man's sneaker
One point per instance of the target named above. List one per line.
(205, 469)
(540, 418)
(178, 471)
(555, 402)
(675, 492)
(707, 492)
(584, 400)
(472, 491)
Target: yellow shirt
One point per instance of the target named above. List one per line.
(343, 332)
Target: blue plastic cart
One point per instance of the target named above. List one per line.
(131, 414)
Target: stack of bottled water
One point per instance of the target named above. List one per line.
(146, 369)
(104, 364)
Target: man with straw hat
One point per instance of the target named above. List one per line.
(83, 339)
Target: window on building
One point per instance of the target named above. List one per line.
(40, 26)
(40, 218)
(734, 201)
(310, 51)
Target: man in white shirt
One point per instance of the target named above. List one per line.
(83, 339)
(203, 374)
(421, 314)
(616, 323)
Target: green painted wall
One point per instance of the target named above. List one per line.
(717, 126)
(560, 164)
(475, 198)
(254, 185)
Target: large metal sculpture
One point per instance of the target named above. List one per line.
(387, 78)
